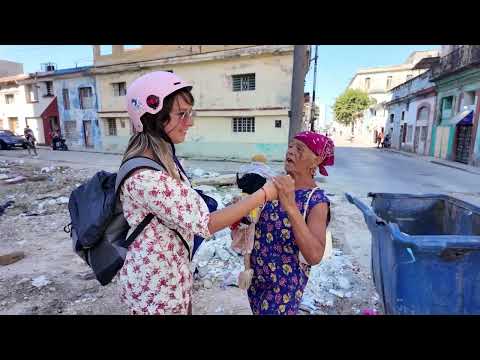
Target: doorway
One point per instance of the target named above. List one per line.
(87, 133)
(464, 142)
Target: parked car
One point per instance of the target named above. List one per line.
(8, 140)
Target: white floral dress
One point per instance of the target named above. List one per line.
(156, 277)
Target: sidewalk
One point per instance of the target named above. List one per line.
(193, 158)
(433, 160)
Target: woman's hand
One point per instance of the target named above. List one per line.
(286, 191)
(270, 190)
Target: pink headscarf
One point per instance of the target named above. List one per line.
(321, 146)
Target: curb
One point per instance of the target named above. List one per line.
(436, 162)
(182, 157)
(454, 167)
(401, 153)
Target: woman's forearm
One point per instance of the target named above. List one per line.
(311, 248)
(225, 217)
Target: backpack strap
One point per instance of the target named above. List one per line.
(125, 170)
(133, 164)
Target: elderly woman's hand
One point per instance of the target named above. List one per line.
(286, 191)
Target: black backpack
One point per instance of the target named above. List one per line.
(98, 228)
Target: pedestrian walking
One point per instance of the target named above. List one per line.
(28, 133)
(380, 137)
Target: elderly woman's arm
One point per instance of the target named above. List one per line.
(310, 236)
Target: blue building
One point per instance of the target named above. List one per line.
(75, 91)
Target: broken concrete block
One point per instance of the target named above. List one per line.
(87, 275)
(11, 258)
(40, 281)
(15, 180)
(63, 200)
(222, 180)
(38, 178)
(22, 281)
(207, 284)
(343, 283)
(198, 172)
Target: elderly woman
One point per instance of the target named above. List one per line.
(291, 233)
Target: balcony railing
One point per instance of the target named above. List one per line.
(461, 57)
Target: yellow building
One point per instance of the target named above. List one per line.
(242, 95)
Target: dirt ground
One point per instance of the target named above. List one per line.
(52, 279)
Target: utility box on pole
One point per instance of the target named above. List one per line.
(300, 66)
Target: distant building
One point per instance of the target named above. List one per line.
(456, 134)
(27, 100)
(411, 114)
(377, 82)
(10, 68)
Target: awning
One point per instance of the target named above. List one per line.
(463, 118)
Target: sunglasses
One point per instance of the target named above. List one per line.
(183, 115)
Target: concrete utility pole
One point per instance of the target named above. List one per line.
(298, 86)
(312, 116)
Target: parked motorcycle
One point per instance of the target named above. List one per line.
(386, 142)
(59, 144)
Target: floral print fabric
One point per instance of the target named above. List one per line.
(156, 277)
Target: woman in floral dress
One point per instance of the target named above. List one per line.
(291, 233)
(156, 277)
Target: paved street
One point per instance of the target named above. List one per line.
(357, 170)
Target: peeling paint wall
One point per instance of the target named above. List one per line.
(201, 140)
(216, 104)
(76, 137)
(120, 54)
(212, 83)
(456, 86)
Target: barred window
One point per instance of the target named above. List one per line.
(66, 99)
(389, 82)
(86, 97)
(9, 99)
(112, 127)
(243, 124)
(119, 89)
(367, 83)
(243, 82)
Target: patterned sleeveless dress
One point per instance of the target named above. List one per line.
(279, 277)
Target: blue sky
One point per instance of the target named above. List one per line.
(336, 63)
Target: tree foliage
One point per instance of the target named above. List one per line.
(350, 103)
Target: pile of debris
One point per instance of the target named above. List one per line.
(336, 285)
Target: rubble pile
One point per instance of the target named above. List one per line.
(40, 274)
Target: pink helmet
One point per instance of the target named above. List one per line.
(146, 94)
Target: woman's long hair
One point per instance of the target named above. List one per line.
(153, 136)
